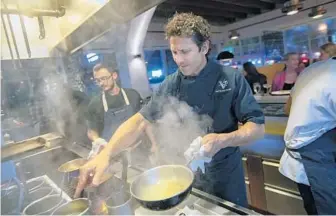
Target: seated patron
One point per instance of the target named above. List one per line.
(285, 80)
(252, 76)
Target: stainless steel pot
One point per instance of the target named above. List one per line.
(112, 189)
(146, 189)
(121, 203)
(75, 207)
(70, 171)
(72, 166)
(44, 206)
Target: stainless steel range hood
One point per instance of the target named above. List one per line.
(113, 12)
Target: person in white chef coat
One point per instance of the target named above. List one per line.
(310, 138)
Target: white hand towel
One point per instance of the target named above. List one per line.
(96, 146)
(195, 152)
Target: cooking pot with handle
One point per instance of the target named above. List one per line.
(162, 187)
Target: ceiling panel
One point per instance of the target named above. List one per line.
(218, 12)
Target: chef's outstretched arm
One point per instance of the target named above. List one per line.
(126, 135)
(152, 139)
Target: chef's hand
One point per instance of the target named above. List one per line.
(92, 172)
(213, 143)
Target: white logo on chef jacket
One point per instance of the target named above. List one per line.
(223, 84)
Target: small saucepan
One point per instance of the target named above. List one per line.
(75, 207)
(70, 171)
(162, 187)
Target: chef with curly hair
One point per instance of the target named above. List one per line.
(210, 89)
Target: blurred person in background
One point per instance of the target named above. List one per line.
(302, 66)
(285, 80)
(327, 50)
(225, 58)
(253, 76)
(111, 108)
(310, 137)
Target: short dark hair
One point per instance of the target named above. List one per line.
(100, 66)
(225, 55)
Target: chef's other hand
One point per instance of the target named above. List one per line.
(92, 170)
(212, 144)
(97, 146)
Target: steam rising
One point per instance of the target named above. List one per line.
(177, 128)
(60, 106)
(174, 131)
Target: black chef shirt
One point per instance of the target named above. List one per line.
(219, 91)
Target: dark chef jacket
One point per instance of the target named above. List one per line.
(223, 94)
(219, 91)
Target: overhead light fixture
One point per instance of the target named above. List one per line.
(317, 12)
(234, 35)
(292, 12)
(322, 27)
(292, 7)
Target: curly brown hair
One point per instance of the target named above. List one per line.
(188, 25)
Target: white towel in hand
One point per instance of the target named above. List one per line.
(97, 145)
(195, 152)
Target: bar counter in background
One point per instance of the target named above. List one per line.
(268, 190)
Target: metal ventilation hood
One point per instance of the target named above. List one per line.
(113, 12)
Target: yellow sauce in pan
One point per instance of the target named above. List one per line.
(164, 189)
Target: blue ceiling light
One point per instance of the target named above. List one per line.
(92, 57)
(157, 73)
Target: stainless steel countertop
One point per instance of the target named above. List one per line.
(271, 99)
(203, 202)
